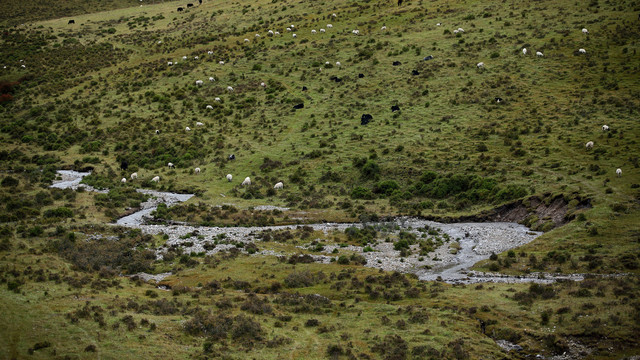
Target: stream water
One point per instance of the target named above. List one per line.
(476, 241)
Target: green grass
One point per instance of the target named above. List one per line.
(94, 93)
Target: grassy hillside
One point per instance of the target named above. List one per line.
(92, 94)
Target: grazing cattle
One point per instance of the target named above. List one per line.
(415, 72)
(180, 9)
(498, 100)
(430, 57)
(365, 119)
(199, 82)
(605, 128)
(524, 51)
(397, 63)
(246, 182)
(582, 51)
(395, 108)
(229, 177)
(538, 53)
(231, 157)
(123, 180)
(619, 172)
(360, 76)
(383, 28)
(170, 63)
(187, 129)
(171, 166)
(209, 107)
(156, 179)
(189, 5)
(124, 165)
(217, 99)
(221, 62)
(196, 170)
(480, 65)
(199, 124)
(589, 145)
(229, 88)
(304, 88)
(278, 185)
(157, 132)
(71, 22)
(299, 106)
(329, 26)
(134, 176)
(585, 31)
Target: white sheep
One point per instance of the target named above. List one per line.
(585, 31)
(460, 30)
(199, 82)
(123, 180)
(171, 166)
(288, 29)
(278, 185)
(157, 132)
(619, 172)
(263, 84)
(170, 63)
(196, 170)
(257, 35)
(322, 30)
(438, 24)
(199, 124)
(134, 176)
(196, 58)
(217, 99)
(480, 65)
(589, 145)
(294, 35)
(229, 88)
(524, 51)
(455, 31)
(327, 63)
(211, 78)
(270, 32)
(338, 63)
(293, 27)
(582, 51)
(334, 15)
(605, 127)
(156, 179)
(383, 28)
(184, 57)
(355, 31)
(209, 107)
(246, 40)
(277, 33)
(159, 41)
(313, 31)
(209, 52)
(329, 26)
(221, 62)
(538, 53)
(229, 177)
(246, 181)
(187, 129)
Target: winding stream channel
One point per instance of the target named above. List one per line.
(475, 241)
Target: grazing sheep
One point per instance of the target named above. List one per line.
(460, 30)
(270, 32)
(199, 124)
(184, 57)
(438, 24)
(278, 185)
(589, 145)
(294, 35)
(322, 30)
(171, 166)
(313, 31)
(498, 100)
(196, 58)
(187, 129)
(257, 35)
(293, 27)
(157, 132)
(263, 84)
(277, 33)
(123, 180)
(246, 40)
(582, 51)
(338, 63)
(229, 88)
(524, 51)
(246, 182)
(196, 170)
(538, 53)
(605, 127)
(170, 63)
(156, 179)
(134, 176)
(480, 65)
(455, 31)
(209, 52)
(209, 107)
(229, 177)
(221, 62)
(217, 99)
(231, 157)
(288, 29)
(355, 31)
(329, 26)
(383, 28)
(619, 172)
(585, 31)
(199, 82)
(211, 78)
(334, 15)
